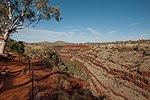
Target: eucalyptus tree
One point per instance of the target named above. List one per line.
(19, 14)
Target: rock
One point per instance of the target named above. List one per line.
(67, 86)
(77, 96)
(62, 95)
(85, 92)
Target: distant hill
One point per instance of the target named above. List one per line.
(48, 44)
(61, 43)
(42, 46)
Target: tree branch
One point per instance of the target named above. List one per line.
(27, 24)
(16, 20)
(9, 9)
(22, 14)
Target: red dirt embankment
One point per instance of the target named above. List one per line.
(16, 84)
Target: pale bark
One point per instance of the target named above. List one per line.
(2, 47)
(3, 43)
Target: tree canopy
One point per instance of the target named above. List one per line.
(19, 14)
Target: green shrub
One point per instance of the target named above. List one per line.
(146, 51)
(48, 62)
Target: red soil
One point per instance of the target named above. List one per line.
(17, 84)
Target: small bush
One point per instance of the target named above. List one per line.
(146, 51)
(48, 63)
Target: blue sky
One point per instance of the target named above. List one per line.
(93, 21)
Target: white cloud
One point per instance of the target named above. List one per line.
(74, 30)
(113, 31)
(43, 32)
(82, 33)
(136, 23)
(37, 35)
(68, 26)
(147, 30)
(93, 31)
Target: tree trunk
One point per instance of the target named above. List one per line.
(3, 43)
(2, 47)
